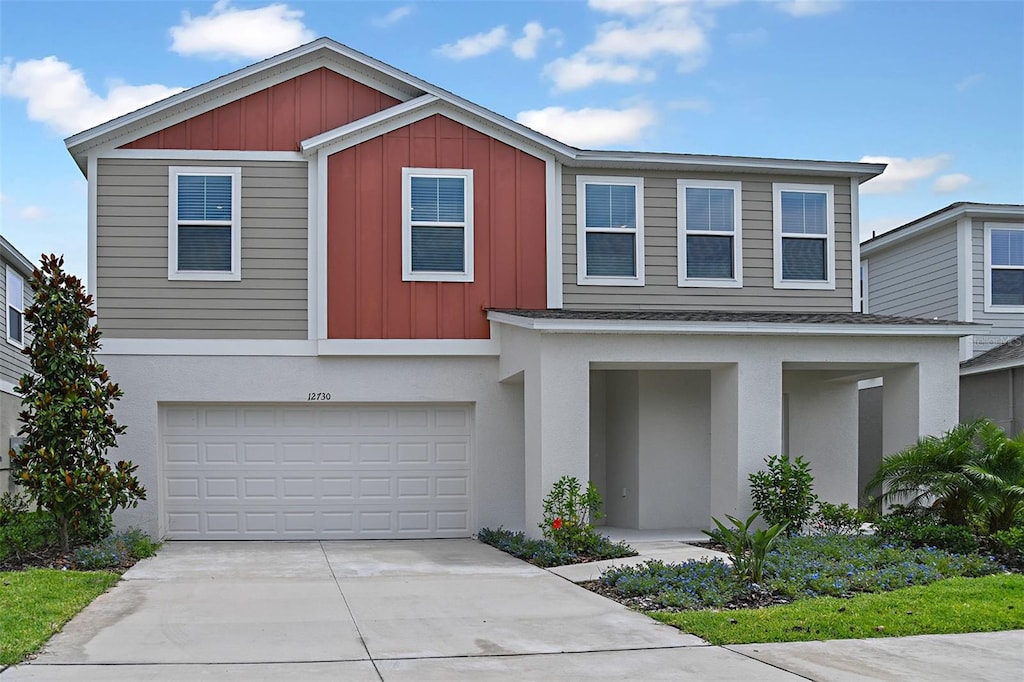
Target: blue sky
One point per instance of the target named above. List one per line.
(934, 88)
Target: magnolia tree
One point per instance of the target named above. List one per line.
(66, 412)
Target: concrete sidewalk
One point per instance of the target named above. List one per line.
(428, 610)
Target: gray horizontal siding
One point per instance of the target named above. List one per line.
(135, 298)
(916, 278)
(661, 288)
(13, 363)
(1005, 326)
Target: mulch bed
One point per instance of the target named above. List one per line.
(52, 557)
(752, 601)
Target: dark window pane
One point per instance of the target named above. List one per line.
(709, 256)
(438, 200)
(611, 254)
(204, 197)
(804, 213)
(204, 248)
(1008, 287)
(610, 206)
(438, 249)
(803, 259)
(709, 209)
(1007, 247)
(15, 321)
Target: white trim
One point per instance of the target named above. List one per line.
(903, 233)
(581, 231)
(855, 245)
(829, 283)
(10, 271)
(203, 155)
(870, 383)
(965, 281)
(92, 178)
(736, 281)
(228, 347)
(321, 255)
(865, 283)
(689, 327)
(553, 246)
(750, 164)
(173, 273)
(313, 248)
(8, 387)
(468, 254)
(989, 306)
(317, 142)
(409, 347)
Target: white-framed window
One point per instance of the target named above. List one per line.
(204, 227)
(804, 225)
(1004, 267)
(15, 308)
(609, 230)
(710, 243)
(437, 225)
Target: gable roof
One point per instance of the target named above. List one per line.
(937, 218)
(11, 255)
(1004, 356)
(324, 52)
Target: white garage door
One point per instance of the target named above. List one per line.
(316, 471)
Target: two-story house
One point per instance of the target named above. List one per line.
(15, 296)
(963, 262)
(345, 303)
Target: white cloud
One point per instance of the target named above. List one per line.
(392, 17)
(57, 95)
(475, 45)
(901, 173)
(580, 71)
(32, 213)
(533, 34)
(951, 182)
(692, 104)
(230, 32)
(752, 38)
(809, 8)
(969, 82)
(590, 127)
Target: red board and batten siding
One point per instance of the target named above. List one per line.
(366, 296)
(274, 119)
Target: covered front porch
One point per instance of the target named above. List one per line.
(668, 420)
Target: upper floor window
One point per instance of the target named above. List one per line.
(437, 225)
(204, 235)
(609, 230)
(1004, 267)
(710, 245)
(804, 222)
(15, 308)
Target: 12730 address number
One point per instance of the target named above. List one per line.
(319, 396)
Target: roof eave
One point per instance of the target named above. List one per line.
(12, 255)
(908, 230)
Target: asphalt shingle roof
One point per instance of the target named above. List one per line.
(1007, 352)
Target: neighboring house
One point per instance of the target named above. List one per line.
(964, 262)
(345, 303)
(15, 295)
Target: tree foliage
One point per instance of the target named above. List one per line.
(784, 492)
(66, 413)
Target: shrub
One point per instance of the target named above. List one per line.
(784, 493)
(116, 550)
(569, 512)
(25, 532)
(924, 528)
(690, 585)
(1009, 546)
(545, 553)
(746, 550)
(836, 519)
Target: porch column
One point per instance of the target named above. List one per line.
(823, 430)
(919, 400)
(557, 422)
(746, 427)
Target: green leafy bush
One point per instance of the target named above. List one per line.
(784, 493)
(746, 549)
(689, 585)
(24, 533)
(545, 553)
(116, 551)
(1009, 546)
(836, 519)
(569, 513)
(924, 528)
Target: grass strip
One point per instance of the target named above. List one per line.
(36, 603)
(956, 605)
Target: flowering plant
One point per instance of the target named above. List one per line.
(569, 511)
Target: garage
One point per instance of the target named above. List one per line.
(316, 471)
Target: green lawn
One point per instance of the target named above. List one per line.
(994, 602)
(35, 604)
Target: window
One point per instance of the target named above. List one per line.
(437, 225)
(15, 308)
(1004, 267)
(710, 246)
(609, 231)
(804, 218)
(204, 237)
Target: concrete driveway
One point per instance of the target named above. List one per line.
(392, 610)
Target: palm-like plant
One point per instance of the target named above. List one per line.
(998, 478)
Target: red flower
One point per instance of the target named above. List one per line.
(557, 524)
